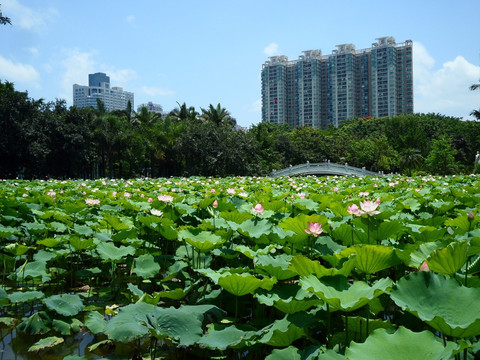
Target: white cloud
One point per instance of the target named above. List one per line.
(79, 64)
(256, 106)
(18, 72)
(130, 19)
(156, 91)
(26, 17)
(444, 90)
(271, 49)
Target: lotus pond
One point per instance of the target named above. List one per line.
(241, 268)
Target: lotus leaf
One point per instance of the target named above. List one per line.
(222, 339)
(130, 322)
(281, 333)
(35, 324)
(243, 284)
(118, 223)
(303, 266)
(81, 244)
(25, 296)
(65, 304)
(275, 266)
(385, 346)
(255, 228)
(340, 294)
(292, 353)
(288, 298)
(17, 249)
(44, 256)
(235, 216)
(179, 324)
(373, 258)
(441, 302)
(95, 322)
(46, 343)
(35, 269)
(450, 259)
(203, 241)
(66, 327)
(145, 266)
(109, 252)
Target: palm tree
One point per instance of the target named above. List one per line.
(475, 113)
(4, 20)
(217, 115)
(184, 113)
(410, 159)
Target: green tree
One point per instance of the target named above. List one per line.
(184, 113)
(3, 19)
(475, 113)
(441, 159)
(410, 159)
(217, 115)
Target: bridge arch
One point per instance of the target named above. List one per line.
(325, 168)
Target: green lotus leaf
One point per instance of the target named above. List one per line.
(292, 353)
(57, 227)
(145, 266)
(441, 302)
(426, 233)
(6, 231)
(81, 244)
(44, 256)
(17, 249)
(203, 241)
(450, 259)
(109, 252)
(175, 294)
(299, 223)
(331, 355)
(306, 204)
(411, 204)
(65, 304)
(251, 254)
(236, 216)
(167, 229)
(35, 269)
(288, 298)
(254, 228)
(95, 322)
(180, 324)
(385, 346)
(46, 343)
(119, 223)
(83, 230)
(35, 227)
(50, 242)
(222, 339)
(25, 296)
(36, 324)
(7, 321)
(340, 294)
(66, 327)
(275, 266)
(357, 327)
(460, 222)
(389, 229)
(243, 284)
(417, 256)
(303, 266)
(74, 357)
(130, 323)
(373, 258)
(281, 333)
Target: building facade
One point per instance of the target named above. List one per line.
(99, 88)
(321, 90)
(151, 107)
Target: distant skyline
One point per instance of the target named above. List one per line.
(209, 52)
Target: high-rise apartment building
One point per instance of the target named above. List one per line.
(99, 88)
(320, 90)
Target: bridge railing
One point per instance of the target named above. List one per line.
(325, 168)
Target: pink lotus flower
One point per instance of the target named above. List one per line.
(258, 209)
(424, 267)
(215, 204)
(301, 195)
(92, 201)
(354, 210)
(156, 212)
(369, 207)
(314, 229)
(165, 198)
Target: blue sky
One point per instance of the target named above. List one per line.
(209, 52)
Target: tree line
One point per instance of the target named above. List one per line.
(41, 139)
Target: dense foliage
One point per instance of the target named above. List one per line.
(247, 268)
(40, 139)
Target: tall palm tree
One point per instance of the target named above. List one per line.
(183, 113)
(475, 113)
(4, 20)
(410, 159)
(217, 115)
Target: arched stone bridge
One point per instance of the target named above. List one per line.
(325, 168)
